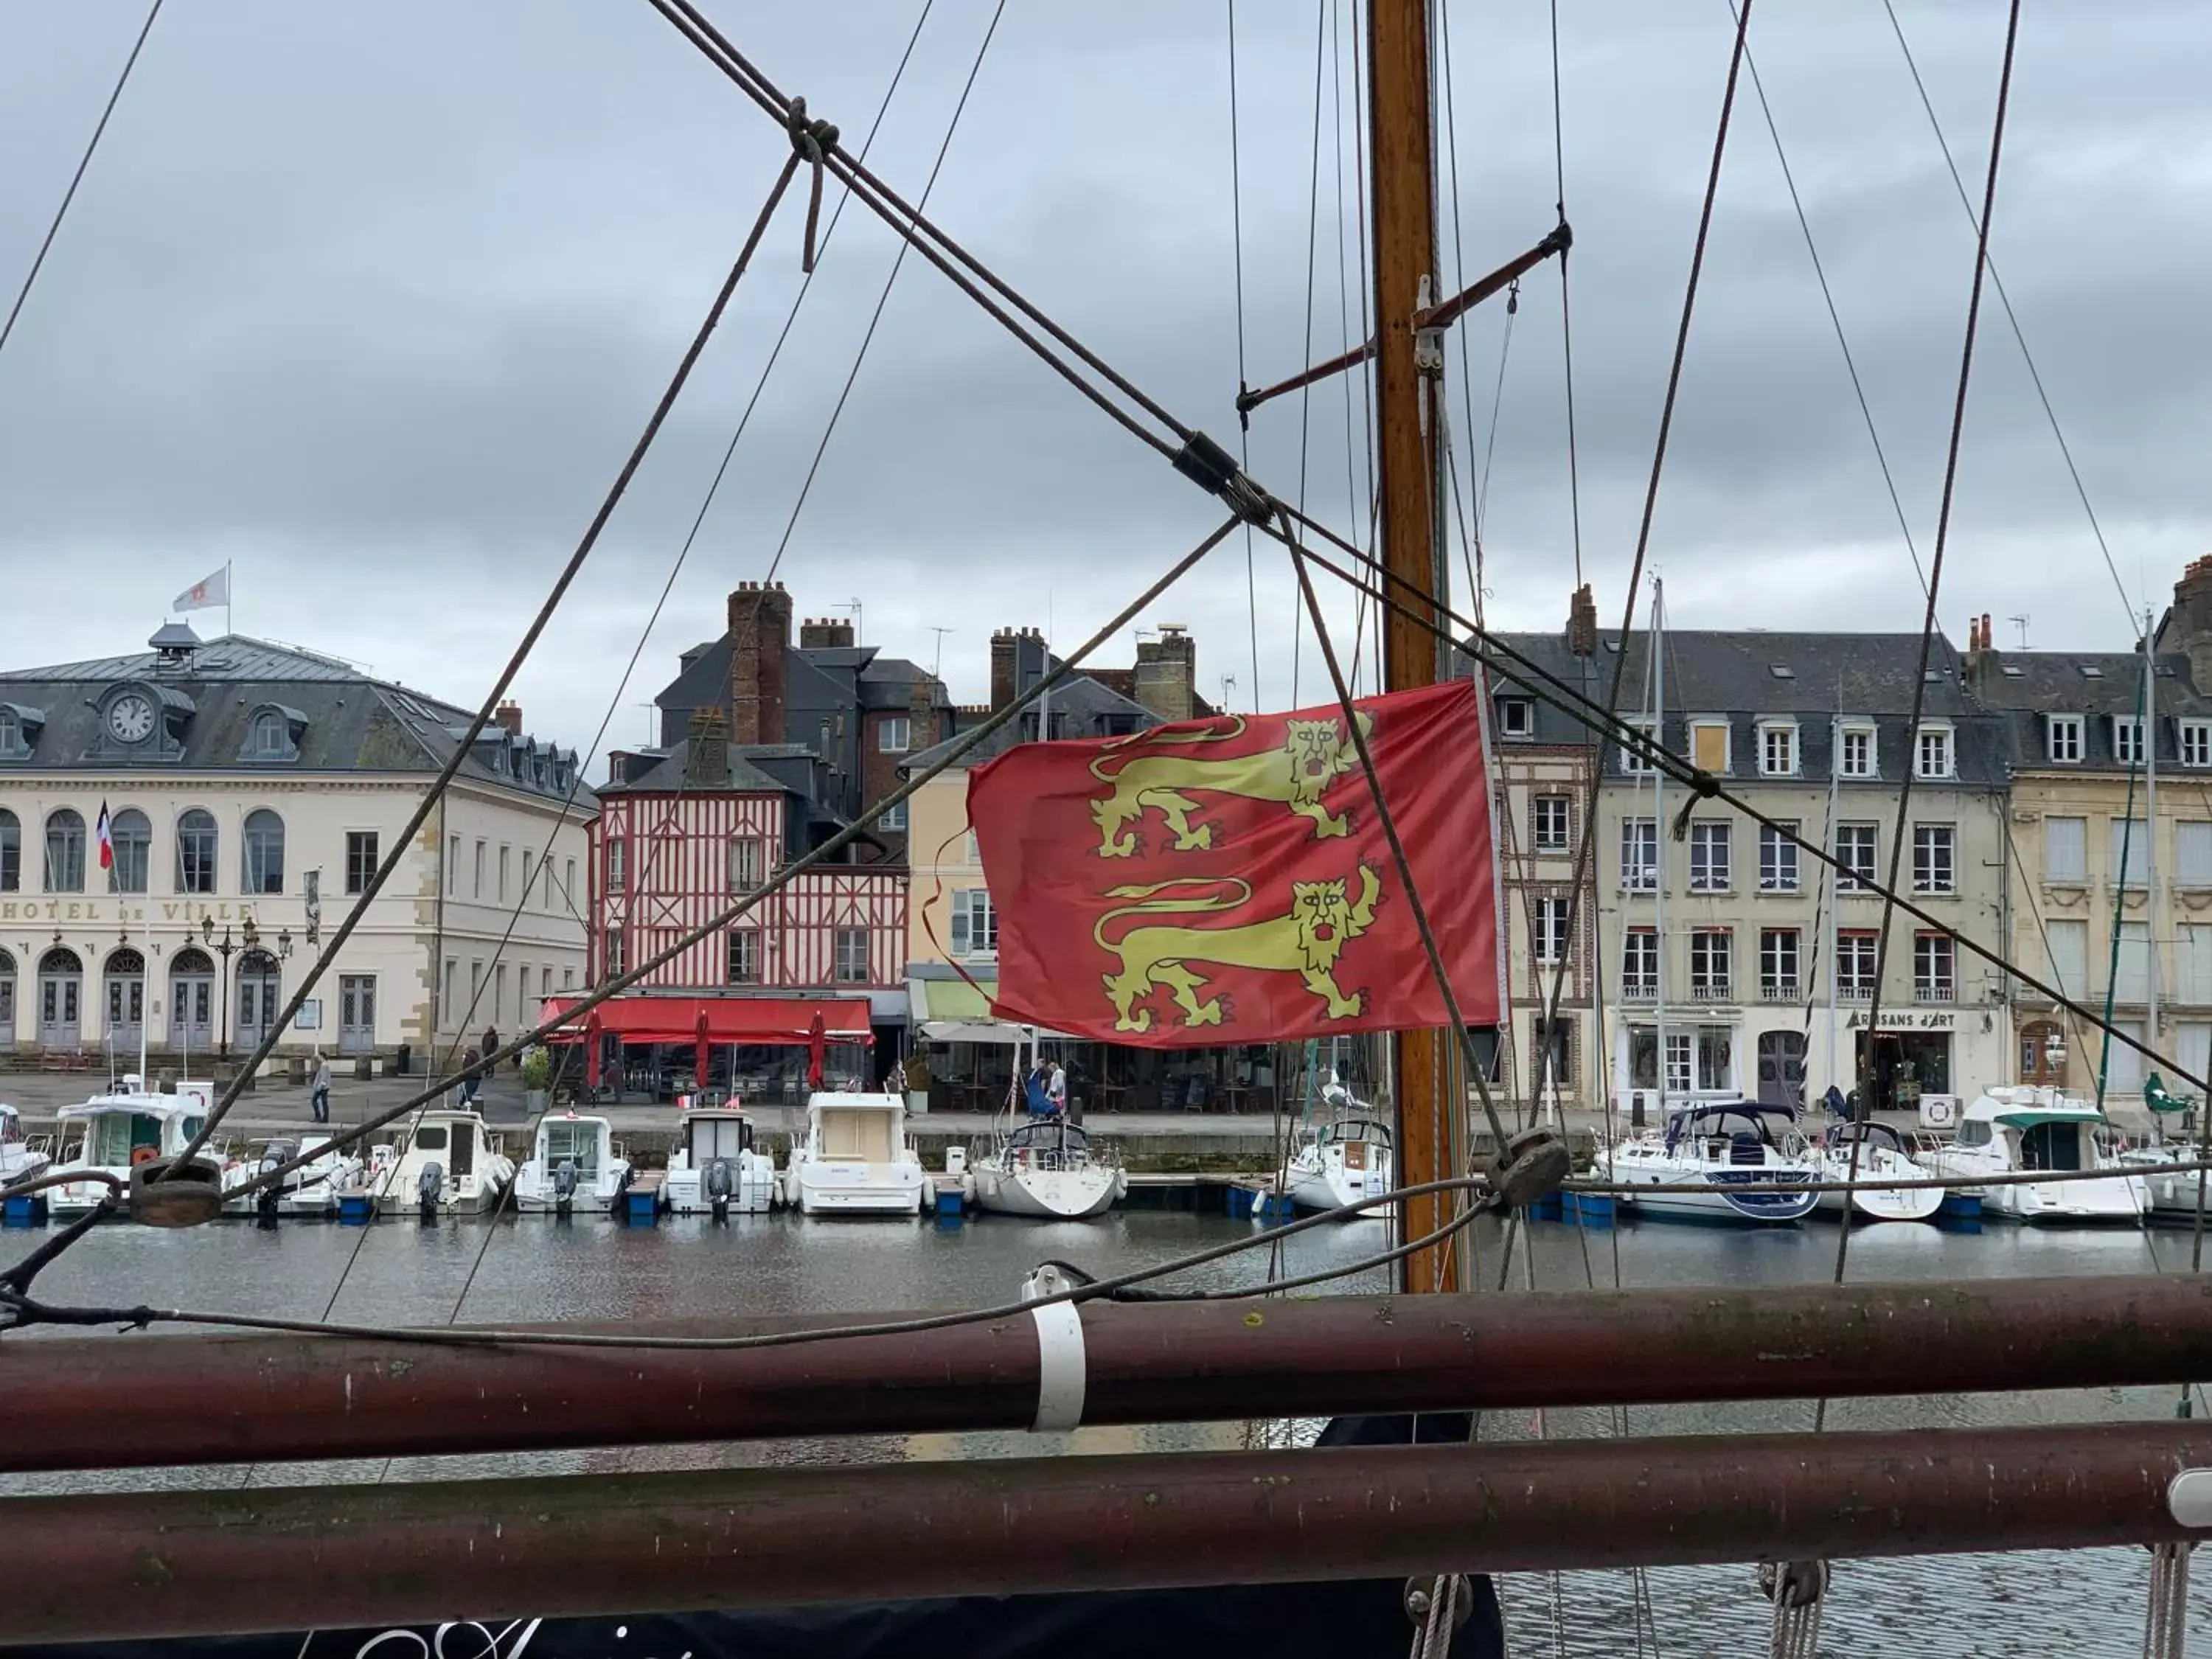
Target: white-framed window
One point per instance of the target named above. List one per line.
(504, 856)
(1639, 855)
(1777, 751)
(529, 871)
(2128, 739)
(1933, 968)
(893, 732)
(1855, 753)
(476, 878)
(1935, 858)
(1634, 762)
(2192, 966)
(1639, 964)
(1777, 964)
(2062, 733)
(745, 863)
(894, 818)
(1550, 920)
(2131, 851)
(974, 923)
(1516, 717)
(2196, 742)
(2192, 854)
(852, 964)
(617, 863)
(1933, 755)
(1709, 746)
(1709, 857)
(2066, 849)
(1778, 859)
(2131, 977)
(1551, 823)
(1712, 959)
(1854, 851)
(744, 956)
(613, 950)
(1855, 955)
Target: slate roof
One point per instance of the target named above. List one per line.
(342, 720)
(1749, 675)
(658, 771)
(2027, 686)
(1081, 707)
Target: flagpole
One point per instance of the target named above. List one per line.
(226, 597)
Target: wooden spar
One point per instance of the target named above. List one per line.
(101, 1403)
(114, 1566)
(1430, 1109)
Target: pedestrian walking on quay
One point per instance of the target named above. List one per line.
(318, 1095)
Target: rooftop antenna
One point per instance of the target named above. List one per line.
(2020, 622)
(936, 663)
(853, 605)
(1227, 684)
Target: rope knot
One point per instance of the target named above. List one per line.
(813, 140)
(1702, 785)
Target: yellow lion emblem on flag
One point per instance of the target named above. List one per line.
(1314, 754)
(1308, 941)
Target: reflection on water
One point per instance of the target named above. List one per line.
(2090, 1603)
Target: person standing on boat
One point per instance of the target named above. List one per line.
(319, 1094)
(1056, 1090)
(1033, 1091)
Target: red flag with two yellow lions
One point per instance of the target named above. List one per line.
(1228, 880)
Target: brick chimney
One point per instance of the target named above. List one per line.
(1167, 673)
(1981, 653)
(508, 718)
(2189, 628)
(760, 638)
(706, 758)
(1004, 648)
(921, 714)
(824, 633)
(1582, 623)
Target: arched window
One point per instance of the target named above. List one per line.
(272, 739)
(196, 850)
(11, 852)
(61, 992)
(191, 999)
(260, 994)
(65, 851)
(123, 980)
(264, 852)
(133, 839)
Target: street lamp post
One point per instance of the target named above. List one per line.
(222, 947)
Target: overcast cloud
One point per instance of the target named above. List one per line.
(370, 297)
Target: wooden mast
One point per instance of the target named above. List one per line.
(1401, 131)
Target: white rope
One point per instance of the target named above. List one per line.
(2166, 1626)
(1432, 1639)
(1797, 1589)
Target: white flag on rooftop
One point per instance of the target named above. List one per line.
(205, 593)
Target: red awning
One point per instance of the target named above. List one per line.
(727, 1019)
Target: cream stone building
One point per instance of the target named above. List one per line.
(1726, 939)
(251, 790)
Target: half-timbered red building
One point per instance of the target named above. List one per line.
(686, 832)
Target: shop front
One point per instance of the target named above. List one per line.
(1919, 1052)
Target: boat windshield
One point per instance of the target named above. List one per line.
(431, 1138)
(1874, 1134)
(1051, 1135)
(719, 1137)
(580, 1141)
(1354, 1129)
(112, 1137)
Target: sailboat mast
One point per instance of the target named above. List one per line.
(2148, 737)
(1657, 644)
(1408, 372)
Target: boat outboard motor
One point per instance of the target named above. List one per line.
(564, 1185)
(427, 1186)
(719, 1182)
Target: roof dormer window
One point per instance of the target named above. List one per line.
(1777, 749)
(272, 736)
(19, 730)
(1516, 717)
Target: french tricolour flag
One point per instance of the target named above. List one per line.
(106, 840)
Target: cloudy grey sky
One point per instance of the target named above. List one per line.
(370, 297)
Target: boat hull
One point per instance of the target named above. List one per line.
(1719, 1202)
(1048, 1194)
(752, 1192)
(861, 1189)
(1874, 1203)
(1326, 1188)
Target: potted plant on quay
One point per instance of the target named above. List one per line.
(537, 1079)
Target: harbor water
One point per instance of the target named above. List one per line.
(537, 1269)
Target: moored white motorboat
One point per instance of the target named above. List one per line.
(111, 1133)
(2013, 1131)
(311, 1190)
(1882, 1155)
(1344, 1160)
(856, 1158)
(1046, 1167)
(715, 1169)
(575, 1165)
(447, 1165)
(1717, 1148)
(20, 1159)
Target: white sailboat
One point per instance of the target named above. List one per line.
(20, 1159)
(1046, 1168)
(1344, 1160)
(1867, 1154)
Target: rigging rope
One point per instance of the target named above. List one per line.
(403, 842)
(1305, 392)
(1243, 421)
(38, 259)
(1911, 767)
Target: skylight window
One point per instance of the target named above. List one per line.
(1782, 671)
(2091, 670)
(2012, 670)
